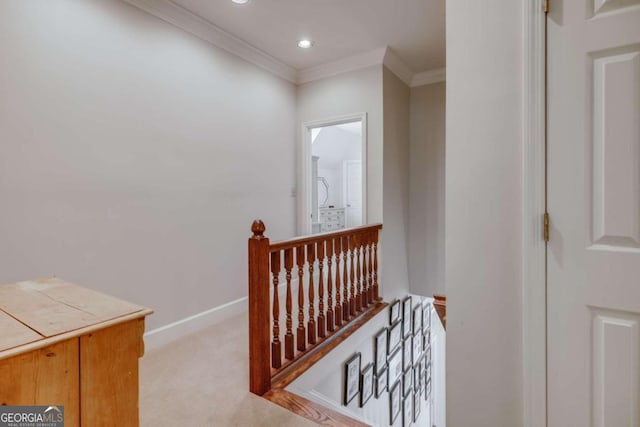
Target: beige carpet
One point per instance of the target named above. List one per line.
(203, 380)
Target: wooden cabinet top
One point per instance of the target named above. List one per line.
(37, 313)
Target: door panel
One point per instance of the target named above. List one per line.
(593, 283)
(616, 340)
(616, 148)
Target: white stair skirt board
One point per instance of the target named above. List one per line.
(166, 334)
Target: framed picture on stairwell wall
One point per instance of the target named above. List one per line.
(407, 411)
(351, 378)
(380, 344)
(426, 316)
(395, 366)
(406, 317)
(382, 383)
(394, 312)
(417, 320)
(366, 384)
(395, 337)
(395, 402)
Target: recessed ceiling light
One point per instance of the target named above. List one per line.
(305, 43)
(240, 1)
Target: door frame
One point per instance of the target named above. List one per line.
(304, 167)
(534, 292)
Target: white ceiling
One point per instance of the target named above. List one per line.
(413, 29)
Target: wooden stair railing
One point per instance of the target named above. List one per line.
(337, 284)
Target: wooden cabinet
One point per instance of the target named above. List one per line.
(64, 345)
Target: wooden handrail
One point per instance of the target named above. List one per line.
(337, 282)
(303, 240)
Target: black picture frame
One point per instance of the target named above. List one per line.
(366, 384)
(426, 380)
(426, 316)
(380, 349)
(395, 402)
(394, 312)
(417, 348)
(351, 378)
(417, 377)
(407, 411)
(422, 372)
(416, 407)
(426, 338)
(407, 382)
(407, 349)
(382, 383)
(427, 356)
(406, 317)
(395, 337)
(417, 319)
(395, 366)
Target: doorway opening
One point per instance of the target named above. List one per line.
(333, 174)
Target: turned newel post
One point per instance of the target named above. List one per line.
(259, 320)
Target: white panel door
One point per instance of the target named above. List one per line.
(353, 192)
(593, 288)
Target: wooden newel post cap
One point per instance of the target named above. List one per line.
(258, 228)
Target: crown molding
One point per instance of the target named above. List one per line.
(182, 18)
(428, 77)
(367, 59)
(199, 27)
(397, 66)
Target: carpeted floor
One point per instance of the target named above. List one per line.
(203, 380)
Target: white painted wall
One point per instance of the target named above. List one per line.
(354, 92)
(484, 153)
(387, 162)
(134, 156)
(426, 189)
(395, 275)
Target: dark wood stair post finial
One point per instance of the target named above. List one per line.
(258, 228)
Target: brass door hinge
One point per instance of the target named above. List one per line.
(545, 6)
(545, 226)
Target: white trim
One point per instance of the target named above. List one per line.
(363, 60)
(428, 77)
(534, 249)
(188, 21)
(173, 331)
(397, 66)
(199, 27)
(304, 167)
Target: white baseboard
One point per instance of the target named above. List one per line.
(173, 331)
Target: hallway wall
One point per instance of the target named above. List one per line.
(133, 156)
(484, 211)
(426, 189)
(395, 275)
